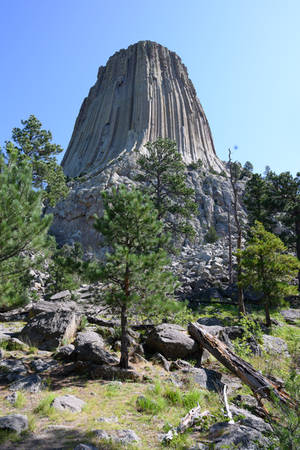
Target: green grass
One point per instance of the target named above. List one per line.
(20, 401)
(44, 408)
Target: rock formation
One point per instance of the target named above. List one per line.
(142, 93)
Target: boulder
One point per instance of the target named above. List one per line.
(87, 337)
(12, 369)
(68, 402)
(123, 437)
(275, 345)
(160, 360)
(172, 342)
(14, 422)
(66, 352)
(95, 353)
(210, 321)
(43, 306)
(207, 378)
(250, 420)
(32, 383)
(48, 330)
(292, 316)
(224, 435)
(85, 447)
(107, 372)
(40, 365)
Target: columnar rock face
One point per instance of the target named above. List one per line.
(142, 93)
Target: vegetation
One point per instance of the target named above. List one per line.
(33, 144)
(162, 174)
(211, 235)
(267, 268)
(134, 268)
(66, 268)
(22, 229)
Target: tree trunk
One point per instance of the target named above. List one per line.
(229, 246)
(260, 385)
(233, 182)
(124, 339)
(267, 312)
(242, 309)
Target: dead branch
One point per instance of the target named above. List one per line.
(259, 384)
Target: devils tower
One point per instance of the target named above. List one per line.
(142, 93)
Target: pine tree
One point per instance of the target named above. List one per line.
(135, 266)
(267, 268)
(34, 144)
(162, 174)
(22, 229)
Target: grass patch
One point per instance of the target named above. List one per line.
(44, 408)
(20, 400)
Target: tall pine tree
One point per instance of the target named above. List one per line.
(134, 271)
(22, 227)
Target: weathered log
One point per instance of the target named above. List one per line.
(260, 385)
(186, 422)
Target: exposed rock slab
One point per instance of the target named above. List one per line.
(292, 316)
(172, 342)
(48, 330)
(68, 402)
(14, 422)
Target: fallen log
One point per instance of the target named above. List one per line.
(261, 386)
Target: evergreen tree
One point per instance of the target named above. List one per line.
(22, 229)
(256, 201)
(66, 268)
(34, 144)
(162, 173)
(134, 268)
(267, 268)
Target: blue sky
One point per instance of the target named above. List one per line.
(243, 57)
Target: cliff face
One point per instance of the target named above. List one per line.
(142, 93)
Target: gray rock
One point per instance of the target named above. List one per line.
(207, 378)
(250, 420)
(32, 383)
(69, 402)
(94, 353)
(48, 330)
(60, 295)
(65, 352)
(14, 422)
(120, 436)
(108, 372)
(11, 369)
(172, 342)
(292, 316)
(43, 306)
(111, 419)
(2, 353)
(166, 78)
(210, 321)
(87, 337)
(40, 365)
(225, 435)
(275, 345)
(161, 360)
(12, 398)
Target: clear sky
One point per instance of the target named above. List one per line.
(243, 57)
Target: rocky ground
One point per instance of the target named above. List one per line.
(61, 387)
